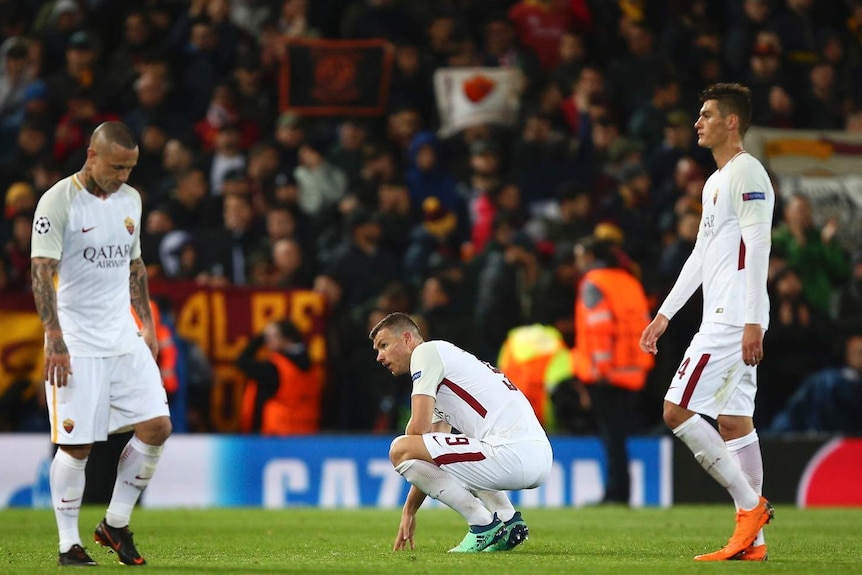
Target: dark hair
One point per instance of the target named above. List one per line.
(116, 133)
(288, 330)
(395, 321)
(732, 98)
(601, 249)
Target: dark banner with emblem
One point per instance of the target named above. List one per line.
(335, 77)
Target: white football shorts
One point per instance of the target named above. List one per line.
(478, 465)
(713, 379)
(106, 395)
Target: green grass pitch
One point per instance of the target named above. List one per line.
(595, 540)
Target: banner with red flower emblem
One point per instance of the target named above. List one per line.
(335, 77)
(471, 96)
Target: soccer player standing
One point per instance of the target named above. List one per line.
(718, 373)
(101, 376)
(501, 444)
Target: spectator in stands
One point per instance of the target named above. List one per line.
(553, 297)
(16, 74)
(500, 48)
(541, 25)
(539, 159)
(411, 79)
(846, 312)
(319, 183)
(816, 255)
(797, 343)
(397, 219)
(346, 152)
(824, 104)
(178, 157)
(124, 61)
(360, 265)
(228, 248)
(81, 117)
(742, 34)
(189, 205)
(632, 74)
(81, 72)
(571, 219)
(438, 235)
(828, 401)
(648, 120)
(508, 275)
(573, 57)
(679, 140)
(289, 271)
(290, 134)
(428, 177)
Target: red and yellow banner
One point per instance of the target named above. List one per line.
(220, 321)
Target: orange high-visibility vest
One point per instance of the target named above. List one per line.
(167, 359)
(607, 335)
(295, 407)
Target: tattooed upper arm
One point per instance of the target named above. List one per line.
(44, 293)
(139, 291)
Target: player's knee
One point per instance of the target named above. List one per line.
(674, 415)
(156, 431)
(77, 451)
(397, 450)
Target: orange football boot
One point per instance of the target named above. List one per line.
(748, 524)
(753, 553)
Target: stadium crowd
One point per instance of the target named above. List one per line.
(473, 233)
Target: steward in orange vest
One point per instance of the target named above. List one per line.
(283, 395)
(167, 359)
(611, 311)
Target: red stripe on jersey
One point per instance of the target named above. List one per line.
(463, 394)
(692, 381)
(448, 458)
(741, 265)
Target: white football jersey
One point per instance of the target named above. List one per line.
(472, 396)
(95, 240)
(738, 195)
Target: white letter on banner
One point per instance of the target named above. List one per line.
(280, 477)
(550, 494)
(588, 486)
(339, 483)
(638, 483)
(391, 483)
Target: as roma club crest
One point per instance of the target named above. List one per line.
(68, 425)
(478, 87)
(336, 76)
(130, 225)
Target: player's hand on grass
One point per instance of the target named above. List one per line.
(405, 533)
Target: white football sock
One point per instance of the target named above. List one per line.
(496, 502)
(746, 450)
(137, 465)
(440, 485)
(67, 479)
(709, 450)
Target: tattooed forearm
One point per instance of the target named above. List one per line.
(139, 291)
(44, 294)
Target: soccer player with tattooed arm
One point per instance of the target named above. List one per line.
(101, 375)
(471, 436)
(718, 374)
